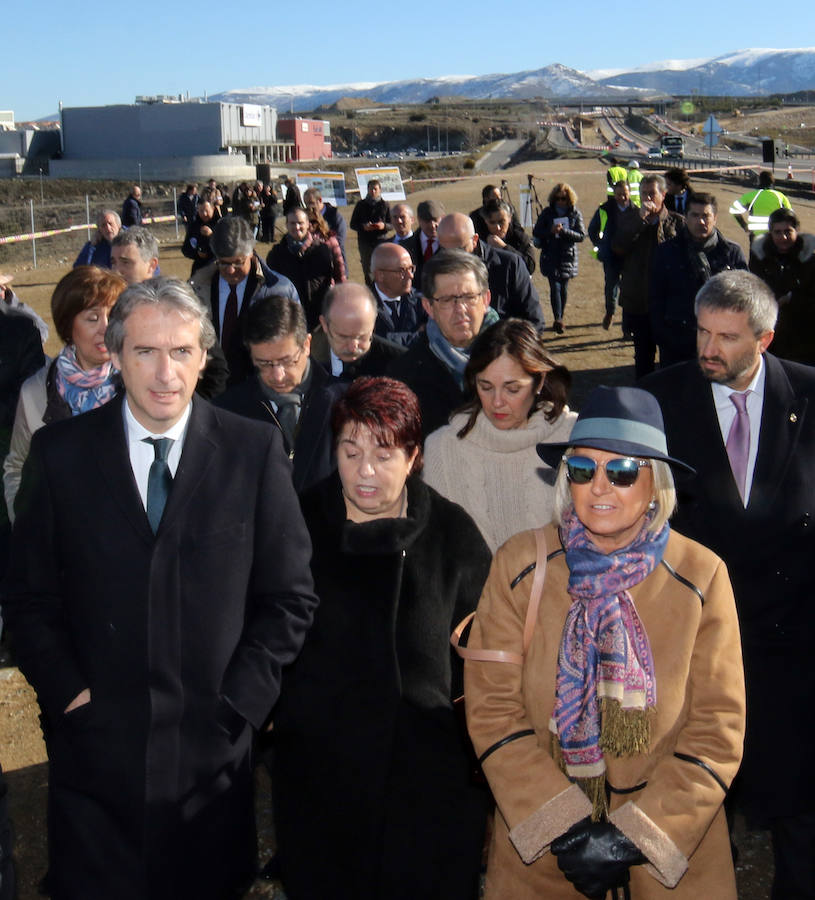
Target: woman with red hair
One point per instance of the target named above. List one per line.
(372, 796)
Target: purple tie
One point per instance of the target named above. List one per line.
(738, 441)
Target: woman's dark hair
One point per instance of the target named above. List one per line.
(82, 288)
(518, 339)
(387, 408)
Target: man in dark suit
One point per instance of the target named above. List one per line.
(400, 314)
(456, 297)
(511, 289)
(159, 582)
(752, 501)
(288, 389)
(345, 344)
(231, 284)
(131, 208)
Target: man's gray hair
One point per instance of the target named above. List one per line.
(103, 213)
(139, 237)
(232, 236)
(168, 292)
(654, 178)
(453, 262)
(736, 290)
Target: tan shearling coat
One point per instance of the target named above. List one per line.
(671, 808)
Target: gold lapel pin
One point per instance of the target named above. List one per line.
(793, 418)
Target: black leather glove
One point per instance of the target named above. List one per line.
(595, 857)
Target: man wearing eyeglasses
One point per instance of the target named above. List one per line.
(400, 314)
(345, 344)
(288, 389)
(456, 297)
(745, 420)
(510, 284)
(230, 284)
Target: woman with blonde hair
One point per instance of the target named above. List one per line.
(612, 731)
(557, 232)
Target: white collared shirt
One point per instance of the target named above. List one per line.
(726, 413)
(142, 454)
(223, 296)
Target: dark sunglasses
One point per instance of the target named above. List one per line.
(622, 471)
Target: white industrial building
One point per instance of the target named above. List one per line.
(156, 139)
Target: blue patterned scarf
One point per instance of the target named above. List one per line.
(84, 389)
(605, 676)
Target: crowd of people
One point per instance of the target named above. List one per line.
(250, 509)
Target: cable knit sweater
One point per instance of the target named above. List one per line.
(495, 475)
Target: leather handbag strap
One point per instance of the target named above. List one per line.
(508, 656)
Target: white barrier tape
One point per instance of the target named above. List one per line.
(17, 238)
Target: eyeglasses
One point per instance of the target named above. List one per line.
(463, 299)
(562, 197)
(404, 271)
(622, 471)
(287, 362)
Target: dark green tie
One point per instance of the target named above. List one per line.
(159, 481)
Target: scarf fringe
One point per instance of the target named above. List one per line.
(624, 732)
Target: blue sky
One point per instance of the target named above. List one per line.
(109, 52)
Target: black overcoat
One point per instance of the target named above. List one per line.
(180, 636)
(371, 790)
(769, 548)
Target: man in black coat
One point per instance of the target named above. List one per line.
(131, 208)
(456, 297)
(345, 344)
(680, 267)
(288, 390)
(20, 356)
(307, 263)
(400, 314)
(371, 220)
(159, 583)
(759, 521)
(511, 289)
(229, 285)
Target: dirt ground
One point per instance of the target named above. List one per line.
(593, 355)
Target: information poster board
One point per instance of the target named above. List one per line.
(331, 185)
(389, 177)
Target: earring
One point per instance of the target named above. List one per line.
(652, 505)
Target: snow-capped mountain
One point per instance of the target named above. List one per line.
(741, 73)
(551, 81)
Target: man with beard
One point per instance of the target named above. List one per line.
(681, 266)
(741, 418)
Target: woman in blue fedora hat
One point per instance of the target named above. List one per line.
(610, 721)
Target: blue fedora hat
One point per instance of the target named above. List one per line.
(622, 420)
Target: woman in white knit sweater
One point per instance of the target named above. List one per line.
(485, 459)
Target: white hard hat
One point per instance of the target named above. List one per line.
(633, 164)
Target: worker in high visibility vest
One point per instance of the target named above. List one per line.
(615, 173)
(752, 210)
(634, 177)
(601, 232)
